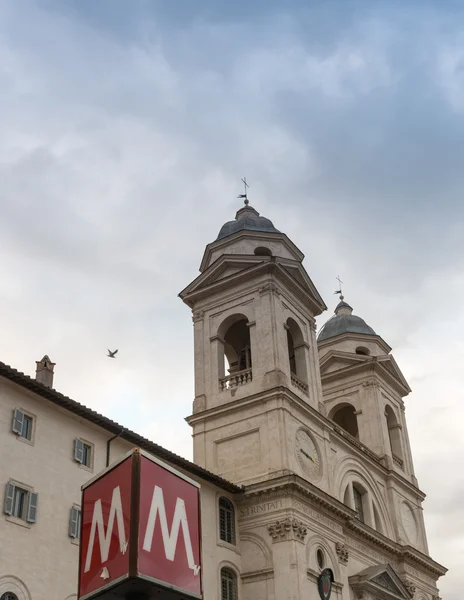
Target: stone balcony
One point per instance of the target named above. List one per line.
(301, 385)
(236, 379)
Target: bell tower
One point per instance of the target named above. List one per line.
(254, 309)
(313, 429)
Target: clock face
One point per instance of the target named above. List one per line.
(409, 523)
(307, 453)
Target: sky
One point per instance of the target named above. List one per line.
(125, 130)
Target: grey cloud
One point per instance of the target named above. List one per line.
(121, 157)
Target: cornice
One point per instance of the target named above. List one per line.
(369, 366)
(356, 336)
(360, 450)
(246, 233)
(309, 296)
(294, 485)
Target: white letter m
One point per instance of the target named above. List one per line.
(99, 527)
(169, 539)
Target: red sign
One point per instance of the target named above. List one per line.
(105, 530)
(169, 528)
(140, 531)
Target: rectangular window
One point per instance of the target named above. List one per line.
(20, 503)
(358, 504)
(22, 424)
(75, 523)
(83, 453)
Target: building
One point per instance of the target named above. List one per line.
(300, 445)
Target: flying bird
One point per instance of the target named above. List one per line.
(112, 354)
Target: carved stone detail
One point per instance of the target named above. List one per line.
(269, 288)
(410, 587)
(385, 581)
(371, 383)
(342, 552)
(287, 529)
(436, 597)
(198, 315)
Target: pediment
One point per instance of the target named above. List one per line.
(226, 267)
(341, 364)
(380, 581)
(232, 268)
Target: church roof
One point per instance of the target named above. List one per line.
(344, 322)
(247, 218)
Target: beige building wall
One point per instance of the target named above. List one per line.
(39, 561)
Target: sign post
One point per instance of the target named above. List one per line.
(140, 533)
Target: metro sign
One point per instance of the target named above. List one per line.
(140, 532)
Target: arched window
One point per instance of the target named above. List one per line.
(394, 433)
(9, 596)
(228, 584)
(344, 415)
(226, 520)
(358, 503)
(236, 348)
(297, 355)
(362, 501)
(362, 350)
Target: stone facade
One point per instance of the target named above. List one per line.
(307, 441)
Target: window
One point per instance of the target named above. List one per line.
(22, 424)
(362, 350)
(358, 504)
(20, 503)
(344, 415)
(297, 355)
(228, 584)
(75, 523)
(235, 346)
(226, 520)
(9, 596)
(320, 558)
(83, 453)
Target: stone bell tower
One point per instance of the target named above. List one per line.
(254, 309)
(313, 429)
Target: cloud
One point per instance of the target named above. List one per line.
(124, 137)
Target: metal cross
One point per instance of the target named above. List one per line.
(339, 291)
(245, 195)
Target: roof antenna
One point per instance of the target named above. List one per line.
(340, 286)
(245, 195)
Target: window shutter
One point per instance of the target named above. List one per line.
(18, 418)
(9, 497)
(32, 508)
(78, 450)
(74, 523)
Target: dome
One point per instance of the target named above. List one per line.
(344, 322)
(247, 218)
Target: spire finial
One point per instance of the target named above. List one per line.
(245, 195)
(340, 286)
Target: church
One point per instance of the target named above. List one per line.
(300, 445)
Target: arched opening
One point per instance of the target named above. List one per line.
(394, 434)
(297, 355)
(228, 584)
(236, 362)
(226, 520)
(358, 496)
(262, 251)
(9, 596)
(345, 416)
(363, 350)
